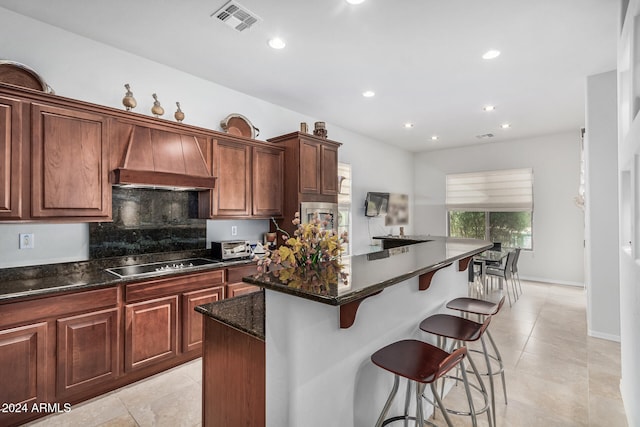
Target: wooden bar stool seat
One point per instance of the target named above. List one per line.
(421, 364)
(461, 330)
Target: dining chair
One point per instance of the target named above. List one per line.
(505, 274)
(514, 269)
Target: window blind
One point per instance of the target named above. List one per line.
(493, 191)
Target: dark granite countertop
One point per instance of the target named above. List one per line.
(358, 276)
(18, 283)
(244, 312)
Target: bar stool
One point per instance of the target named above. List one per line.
(482, 309)
(461, 330)
(421, 364)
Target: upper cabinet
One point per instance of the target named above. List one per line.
(249, 179)
(267, 181)
(69, 164)
(61, 156)
(11, 171)
(311, 166)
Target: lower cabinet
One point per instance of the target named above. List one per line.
(23, 369)
(87, 350)
(67, 348)
(151, 332)
(192, 320)
(235, 285)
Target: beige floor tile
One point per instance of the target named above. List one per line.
(183, 407)
(95, 412)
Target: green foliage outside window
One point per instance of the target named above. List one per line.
(512, 229)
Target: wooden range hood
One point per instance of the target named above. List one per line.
(162, 159)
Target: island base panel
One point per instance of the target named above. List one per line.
(233, 377)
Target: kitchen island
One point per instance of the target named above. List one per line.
(319, 330)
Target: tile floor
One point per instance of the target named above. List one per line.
(556, 375)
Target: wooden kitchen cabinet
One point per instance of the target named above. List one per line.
(232, 168)
(268, 181)
(329, 170)
(151, 332)
(160, 314)
(311, 165)
(87, 351)
(311, 173)
(235, 285)
(23, 367)
(11, 167)
(69, 164)
(192, 320)
(249, 180)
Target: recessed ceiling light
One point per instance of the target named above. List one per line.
(489, 108)
(368, 94)
(408, 125)
(505, 126)
(355, 1)
(434, 138)
(277, 43)
(490, 54)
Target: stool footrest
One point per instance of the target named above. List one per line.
(482, 410)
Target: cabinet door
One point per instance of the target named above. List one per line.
(23, 366)
(87, 351)
(268, 182)
(69, 164)
(192, 320)
(232, 167)
(309, 167)
(151, 332)
(11, 178)
(329, 170)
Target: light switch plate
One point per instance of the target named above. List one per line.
(26, 241)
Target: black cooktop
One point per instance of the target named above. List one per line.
(157, 268)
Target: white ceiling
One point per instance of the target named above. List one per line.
(421, 57)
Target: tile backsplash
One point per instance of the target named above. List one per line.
(149, 221)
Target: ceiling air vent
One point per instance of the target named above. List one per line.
(485, 136)
(236, 16)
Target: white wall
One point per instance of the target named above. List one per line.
(80, 68)
(629, 208)
(558, 234)
(601, 207)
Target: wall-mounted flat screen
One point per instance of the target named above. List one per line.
(376, 204)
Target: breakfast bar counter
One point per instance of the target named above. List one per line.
(321, 327)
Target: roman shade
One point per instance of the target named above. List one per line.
(508, 190)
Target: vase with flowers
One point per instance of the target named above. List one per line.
(309, 258)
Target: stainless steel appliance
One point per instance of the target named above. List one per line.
(231, 249)
(157, 268)
(325, 211)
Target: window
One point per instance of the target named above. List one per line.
(493, 205)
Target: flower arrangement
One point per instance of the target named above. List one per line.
(309, 260)
(310, 245)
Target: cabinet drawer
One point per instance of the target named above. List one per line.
(172, 285)
(235, 274)
(52, 307)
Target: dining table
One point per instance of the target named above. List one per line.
(486, 258)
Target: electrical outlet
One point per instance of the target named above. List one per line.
(26, 241)
(234, 230)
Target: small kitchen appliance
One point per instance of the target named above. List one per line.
(231, 250)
